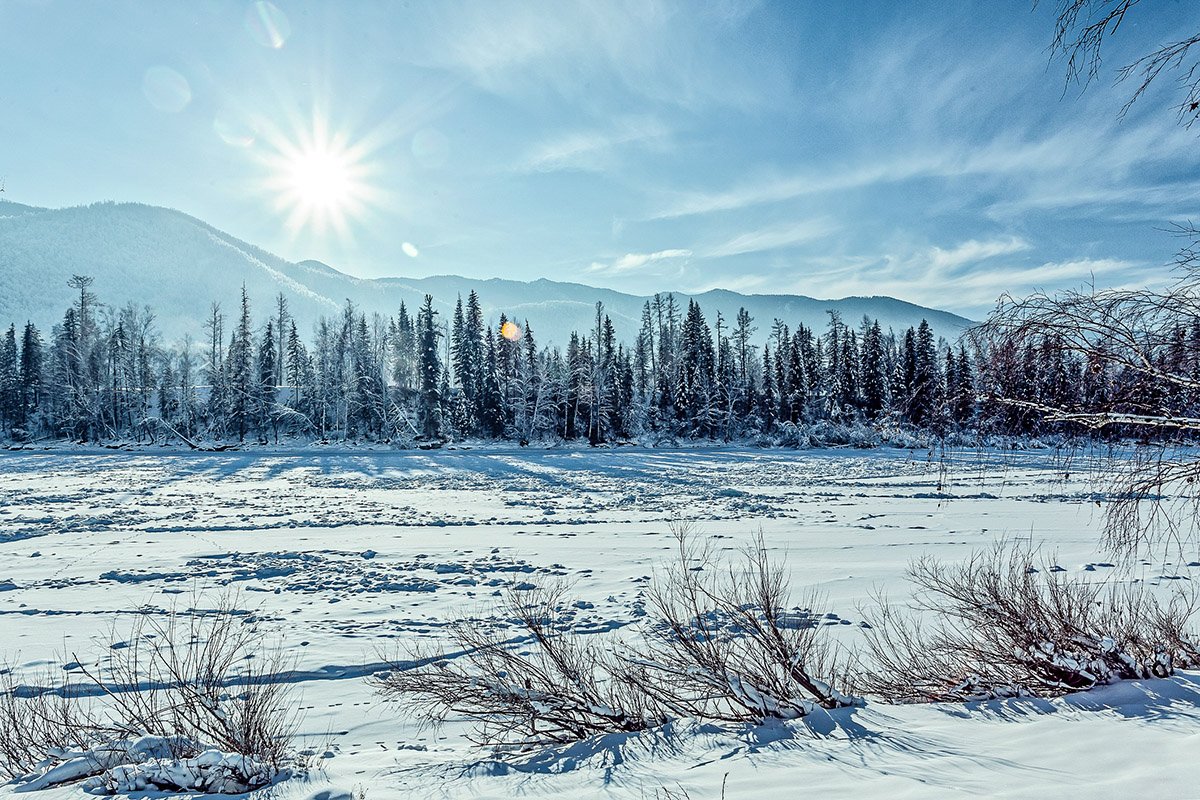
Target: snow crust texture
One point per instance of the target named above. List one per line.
(354, 557)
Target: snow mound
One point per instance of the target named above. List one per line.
(154, 763)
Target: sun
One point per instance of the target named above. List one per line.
(320, 180)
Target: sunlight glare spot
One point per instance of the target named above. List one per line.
(267, 24)
(233, 133)
(510, 331)
(166, 89)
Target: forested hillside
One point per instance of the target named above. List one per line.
(420, 376)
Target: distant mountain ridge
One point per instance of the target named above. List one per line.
(179, 265)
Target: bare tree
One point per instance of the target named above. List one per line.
(1139, 349)
(1082, 27)
(1139, 358)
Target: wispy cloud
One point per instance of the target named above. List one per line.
(638, 262)
(772, 238)
(945, 261)
(593, 150)
(669, 52)
(967, 278)
(774, 189)
(1056, 164)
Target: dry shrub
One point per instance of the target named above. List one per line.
(564, 688)
(730, 646)
(198, 679)
(36, 726)
(726, 648)
(1001, 624)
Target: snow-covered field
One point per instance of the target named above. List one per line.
(357, 555)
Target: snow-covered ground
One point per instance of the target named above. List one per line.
(358, 555)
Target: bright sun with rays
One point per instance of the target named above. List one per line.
(319, 179)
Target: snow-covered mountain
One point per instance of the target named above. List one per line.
(179, 266)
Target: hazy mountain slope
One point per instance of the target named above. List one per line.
(136, 254)
(179, 266)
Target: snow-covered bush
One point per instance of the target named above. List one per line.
(1001, 625)
(155, 707)
(729, 646)
(123, 766)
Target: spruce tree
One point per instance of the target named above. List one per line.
(874, 371)
(429, 369)
(265, 394)
(31, 371)
(10, 380)
(243, 384)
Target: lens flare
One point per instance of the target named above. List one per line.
(267, 24)
(510, 331)
(232, 132)
(430, 148)
(166, 89)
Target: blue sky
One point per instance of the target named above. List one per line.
(922, 150)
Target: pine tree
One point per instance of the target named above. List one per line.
(168, 392)
(696, 371)
(491, 402)
(214, 370)
(429, 370)
(874, 371)
(927, 396)
(963, 401)
(243, 385)
(281, 325)
(30, 372)
(645, 369)
(188, 407)
(768, 406)
(463, 371)
(266, 392)
(532, 384)
(10, 380)
(296, 358)
(802, 380)
(404, 350)
(743, 333)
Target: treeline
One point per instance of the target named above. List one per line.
(103, 374)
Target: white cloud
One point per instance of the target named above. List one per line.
(657, 49)
(974, 251)
(631, 262)
(936, 276)
(772, 238)
(1056, 165)
(591, 150)
(410, 249)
